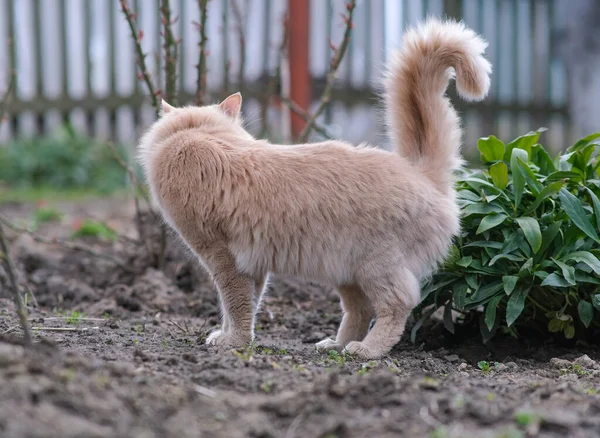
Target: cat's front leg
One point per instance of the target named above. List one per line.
(236, 291)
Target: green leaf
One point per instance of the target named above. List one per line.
(484, 294)
(481, 209)
(491, 310)
(549, 190)
(448, 323)
(569, 331)
(596, 301)
(584, 257)
(586, 312)
(584, 278)
(518, 178)
(509, 281)
(484, 244)
(472, 282)
(465, 261)
(596, 203)
(524, 142)
(511, 257)
(574, 208)
(580, 144)
(468, 195)
(531, 229)
(541, 158)
(491, 148)
(515, 305)
(555, 280)
(568, 272)
(490, 221)
(549, 235)
(459, 295)
(530, 177)
(564, 174)
(555, 325)
(499, 174)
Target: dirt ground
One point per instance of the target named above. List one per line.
(132, 360)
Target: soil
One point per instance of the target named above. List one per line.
(132, 361)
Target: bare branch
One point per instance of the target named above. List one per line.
(170, 46)
(306, 116)
(67, 245)
(201, 66)
(144, 74)
(275, 79)
(12, 278)
(239, 18)
(334, 65)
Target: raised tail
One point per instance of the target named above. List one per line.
(423, 124)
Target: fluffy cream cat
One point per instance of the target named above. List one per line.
(370, 222)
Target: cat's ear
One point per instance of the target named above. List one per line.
(165, 108)
(232, 106)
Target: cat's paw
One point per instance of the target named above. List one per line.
(213, 338)
(361, 351)
(329, 344)
(221, 338)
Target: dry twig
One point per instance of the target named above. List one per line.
(12, 278)
(65, 329)
(239, 16)
(4, 251)
(144, 74)
(201, 66)
(306, 116)
(170, 46)
(336, 60)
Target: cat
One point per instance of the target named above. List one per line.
(372, 223)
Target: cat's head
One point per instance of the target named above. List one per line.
(230, 107)
(220, 119)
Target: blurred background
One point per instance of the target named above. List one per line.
(75, 65)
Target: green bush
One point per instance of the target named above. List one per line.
(528, 254)
(65, 160)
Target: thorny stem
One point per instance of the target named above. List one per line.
(170, 47)
(239, 18)
(201, 67)
(12, 278)
(275, 79)
(141, 56)
(67, 245)
(334, 65)
(306, 116)
(226, 61)
(137, 189)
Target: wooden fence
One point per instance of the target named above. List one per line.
(76, 63)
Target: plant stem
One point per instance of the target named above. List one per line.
(335, 64)
(141, 56)
(201, 67)
(12, 278)
(170, 46)
(239, 18)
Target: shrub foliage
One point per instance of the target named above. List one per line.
(528, 256)
(65, 160)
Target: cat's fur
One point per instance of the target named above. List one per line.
(371, 222)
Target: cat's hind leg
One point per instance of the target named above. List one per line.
(358, 313)
(393, 296)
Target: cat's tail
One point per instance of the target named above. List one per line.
(423, 124)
